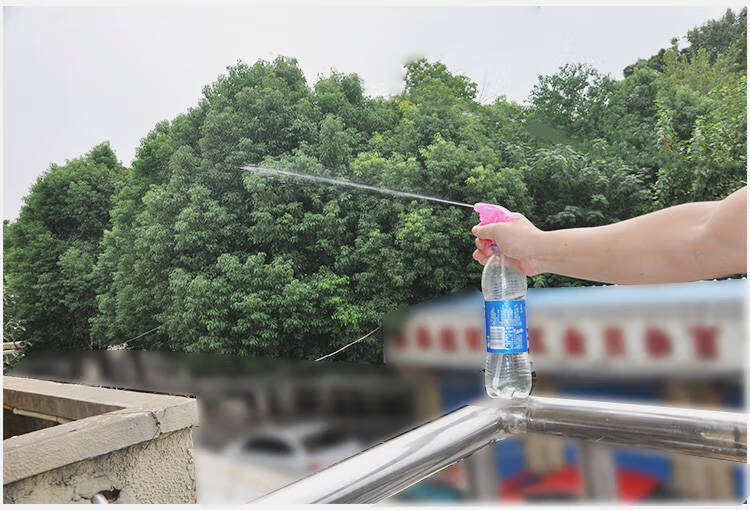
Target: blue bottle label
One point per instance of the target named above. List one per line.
(505, 326)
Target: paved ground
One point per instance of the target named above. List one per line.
(222, 480)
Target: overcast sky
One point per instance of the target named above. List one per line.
(76, 76)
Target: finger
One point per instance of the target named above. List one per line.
(482, 245)
(483, 231)
(480, 257)
(490, 231)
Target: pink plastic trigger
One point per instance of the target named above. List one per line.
(490, 213)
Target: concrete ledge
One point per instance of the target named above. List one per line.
(106, 420)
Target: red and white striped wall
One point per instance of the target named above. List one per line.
(657, 339)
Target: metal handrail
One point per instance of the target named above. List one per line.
(392, 466)
(700, 432)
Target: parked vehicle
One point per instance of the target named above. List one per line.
(296, 449)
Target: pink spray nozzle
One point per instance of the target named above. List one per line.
(490, 213)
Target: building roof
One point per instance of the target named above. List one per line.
(609, 296)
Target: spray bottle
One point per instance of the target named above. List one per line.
(508, 372)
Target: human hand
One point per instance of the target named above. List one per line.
(518, 239)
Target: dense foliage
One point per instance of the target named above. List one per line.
(212, 258)
(51, 250)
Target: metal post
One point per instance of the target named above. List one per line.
(394, 465)
(598, 470)
(483, 480)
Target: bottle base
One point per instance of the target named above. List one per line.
(507, 393)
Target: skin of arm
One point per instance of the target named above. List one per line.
(687, 242)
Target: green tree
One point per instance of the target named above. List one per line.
(51, 249)
(573, 99)
(421, 73)
(712, 162)
(14, 330)
(288, 268)
(726, 36)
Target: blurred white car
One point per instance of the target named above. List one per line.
(297, 449)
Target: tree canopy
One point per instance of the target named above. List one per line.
(51, 250)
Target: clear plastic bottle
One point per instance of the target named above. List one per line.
(508, 372)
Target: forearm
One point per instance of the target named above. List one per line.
(669, 245)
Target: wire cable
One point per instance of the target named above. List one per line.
(142, 334)
(349, 344)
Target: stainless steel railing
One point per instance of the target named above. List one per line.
(392, 466)
(704, 433)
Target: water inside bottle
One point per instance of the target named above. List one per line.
(507, 375)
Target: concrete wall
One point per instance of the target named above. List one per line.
(158, 471)
(135, 446)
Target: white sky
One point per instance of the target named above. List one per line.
(76, 76)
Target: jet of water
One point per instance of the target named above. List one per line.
(336, 182)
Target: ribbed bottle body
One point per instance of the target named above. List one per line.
(507, 374)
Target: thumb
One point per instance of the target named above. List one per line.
(515, 264)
